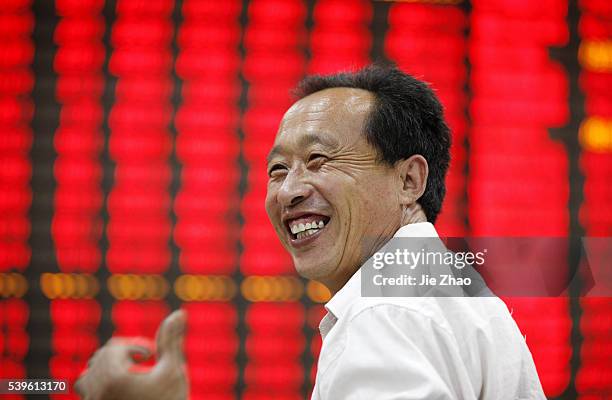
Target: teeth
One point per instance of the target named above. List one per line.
(302, 230)
(307, 233)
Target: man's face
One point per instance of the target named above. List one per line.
(331, 203)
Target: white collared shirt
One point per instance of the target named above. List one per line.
(392, 348)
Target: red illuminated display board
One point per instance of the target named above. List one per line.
(76, 226)
(207, 145)
(518, 175)
(206, 205)
(139, 146)
(274, 62)
(595, 138)
(14, 339)
(165, 112)
(340, 37)
(16, 108)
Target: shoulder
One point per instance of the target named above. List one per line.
(396, 311)
(401, 346)
(467, 344)
(452, 314)
(475, 329)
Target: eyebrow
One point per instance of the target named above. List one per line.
(305, 141)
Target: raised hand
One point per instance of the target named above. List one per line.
(112, 373)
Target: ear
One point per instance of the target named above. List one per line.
(413, 173)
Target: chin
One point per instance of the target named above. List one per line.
(310, 270)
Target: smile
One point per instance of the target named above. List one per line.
(306, 226)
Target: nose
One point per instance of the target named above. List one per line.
(293, 190)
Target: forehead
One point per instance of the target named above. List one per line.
(336, 112)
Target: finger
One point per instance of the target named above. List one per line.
(170, 337)
(136, 340)
(83, 389)
(140, 369)
(78, 385)
(139, 354)
(131, 349)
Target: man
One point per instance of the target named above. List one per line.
(358, 160)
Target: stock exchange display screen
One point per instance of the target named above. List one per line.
(133, 172)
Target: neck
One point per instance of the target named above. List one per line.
(413, 214)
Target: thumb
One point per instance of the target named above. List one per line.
(170, 337)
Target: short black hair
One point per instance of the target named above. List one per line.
(407, 119)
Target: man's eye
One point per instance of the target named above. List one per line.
(276, 170)
(316, 159)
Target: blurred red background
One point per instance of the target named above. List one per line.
(132, 172)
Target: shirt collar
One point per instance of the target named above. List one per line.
(340, 302)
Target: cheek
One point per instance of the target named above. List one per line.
(336, 192)
(348, 202)
(356, 200)
(271, 205)
(375, 201)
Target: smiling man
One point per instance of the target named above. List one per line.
(358, 160)
(332, 198)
